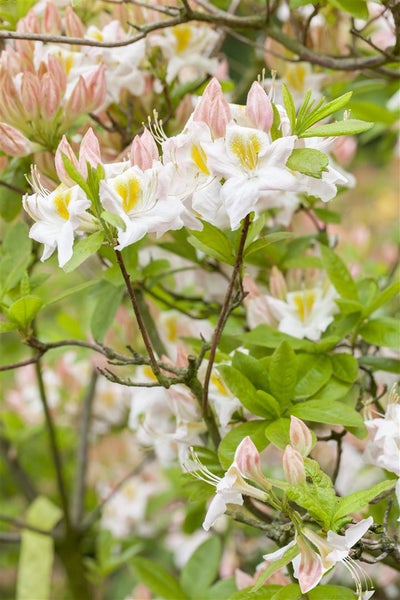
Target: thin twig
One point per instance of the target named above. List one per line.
(22, 363)
(82, 452)
(12, 187)
(17, 471)
(22, 525)
(224, 314)
(54, 448)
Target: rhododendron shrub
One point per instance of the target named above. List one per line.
(199, 337)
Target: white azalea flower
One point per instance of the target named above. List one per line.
(305, 313)
(251, 166)
(139, 198)
(58, 215)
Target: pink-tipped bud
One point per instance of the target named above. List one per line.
(293, 466)
(64, 149)
(77, 103)
(12, 142)
(213, 109)
(277, 284)
(344, 149)
(50, 96)
(247, 459)
(97, 88)
(29, 24)
(57, 71)
(259, 108)
(144, 150)
(300, 436)
(51, 23)
(73, 25)
(30, 95)
(89, 152)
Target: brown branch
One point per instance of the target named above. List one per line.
(18, 473)
(23, 363)
(225, 312)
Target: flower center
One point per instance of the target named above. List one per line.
(246, 150)
(183, 35)
(304, 302)
(130, 192)
(295, 76)
(199, 158)
(61, 202)
(219, 385)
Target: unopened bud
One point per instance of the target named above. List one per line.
(52, 23)
(259, 108)
(144, 150)
(277, 284)
(300, 436)
(247, 459)
(73, 25)
(12, 142)
(293, 466)
(213, 109)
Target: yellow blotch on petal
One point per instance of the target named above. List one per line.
(295, 76)
(246, 149)
(130, 192)
(219, 385)
(199, 158)
(183, 35)
(304, 303)
(61, 202)
(148, 372)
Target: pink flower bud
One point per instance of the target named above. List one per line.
(73, 25)
(144, 150)
(344, 149)
(259, 107)
(300, 436)
(247, 459)
(64, 149)
(213, 109)
(30, 95)
(293, 466)
(97, 88)
(277, 284)
(56, 70)
(50, 96)
(89, 152)
(12, 142)
(51, 20)
(77, 103)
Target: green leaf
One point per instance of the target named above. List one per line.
(327, 216)
(345, 127)
(104, 312)
(380, 363)
(331, 413)
(266, 592)
(71, 291)
(338, 274)
(278, 432)
(24, 310)
(321, 111)
(356, 8)
(213, 242)
(157, 579)
(314, 371)
(75, 175)
(201, 569)
(113, 219)
(356, 501)
(6, 326)
(272, 406)
(243, 389)
(83, 249)
(384, 297)
(345, 367)
(333, 592)
(308, 161)
(227, 448)
(16, 248)
(268, 337)
(318, 497)
(289, 106)
(221, 590)
(276, 566)
(283, 373)
(384, 331)
(267, 240)
(252, 369)
(37, 551)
